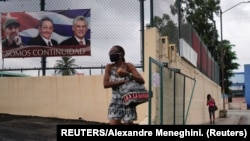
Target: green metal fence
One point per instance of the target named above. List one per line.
(173, 92)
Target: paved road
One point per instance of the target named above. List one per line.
(235, 117)
(245, 120)
(26, 128)
(245, 116)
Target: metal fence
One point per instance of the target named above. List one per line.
(173, 92)
(113, 22)
(205, 62)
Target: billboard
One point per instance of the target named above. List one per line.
(46, 33)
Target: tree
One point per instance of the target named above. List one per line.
(228, 59)
(65, 66)
(199, 13)
(166, 27)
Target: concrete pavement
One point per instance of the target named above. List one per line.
(26, 128)
(233, 117)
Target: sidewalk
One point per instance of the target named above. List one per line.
(233, 118)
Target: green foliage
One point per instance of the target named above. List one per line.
(166, 27)
(229, 64)
(200, 14)
(65, 66)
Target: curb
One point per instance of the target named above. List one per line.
(238, 122)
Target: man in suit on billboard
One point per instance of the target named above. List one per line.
(80, 28)
(45, 29)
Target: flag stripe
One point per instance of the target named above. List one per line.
(63, 20)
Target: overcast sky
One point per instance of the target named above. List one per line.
(235, 25)
(236, 29)
(113, 22)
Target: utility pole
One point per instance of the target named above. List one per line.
(222, 55)
(43, 58)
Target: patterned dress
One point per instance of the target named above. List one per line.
(117, 108)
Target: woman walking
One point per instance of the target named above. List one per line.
(211, 108)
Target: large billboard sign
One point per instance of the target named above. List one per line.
(46, 33)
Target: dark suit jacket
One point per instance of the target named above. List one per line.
(73, 41)
(39, 41)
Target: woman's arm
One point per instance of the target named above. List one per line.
(106, 82)
(135, 75)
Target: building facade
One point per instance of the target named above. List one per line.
(241, 84)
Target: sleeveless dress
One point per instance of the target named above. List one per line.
(117, 108)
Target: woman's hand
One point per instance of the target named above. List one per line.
(121, 72)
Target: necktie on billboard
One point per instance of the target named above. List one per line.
(62, 25)
(81, 42)
(49, 44)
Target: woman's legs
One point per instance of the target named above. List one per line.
(213, 114)
(121, 115)
(210, 116)
(115, 122)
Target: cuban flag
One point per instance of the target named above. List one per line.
(62, 19)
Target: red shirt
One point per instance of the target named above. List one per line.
(211, 102)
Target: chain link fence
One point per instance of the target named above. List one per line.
(205, 62)
(113, 22)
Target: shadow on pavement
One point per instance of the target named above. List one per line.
(30, 128)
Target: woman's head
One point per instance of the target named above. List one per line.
(117, 53)
(209, 96)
